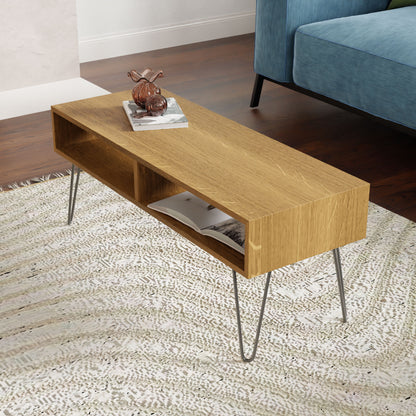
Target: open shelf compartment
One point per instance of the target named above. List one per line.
(94, 155)
(133, 180)
(150, 186)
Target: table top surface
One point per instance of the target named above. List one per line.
(243, 172)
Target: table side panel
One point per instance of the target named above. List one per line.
(305, 231)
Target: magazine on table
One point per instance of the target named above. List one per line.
(173, 118)
(203, 218)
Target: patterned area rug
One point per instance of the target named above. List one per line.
(118, 315)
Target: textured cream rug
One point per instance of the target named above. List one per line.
(118, 315)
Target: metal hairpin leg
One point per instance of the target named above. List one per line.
(337, 260)
(73, 193)
(240, 335)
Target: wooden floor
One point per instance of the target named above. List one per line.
(219, 75)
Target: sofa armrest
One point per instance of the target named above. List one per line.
(277, 21)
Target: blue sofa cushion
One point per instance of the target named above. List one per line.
(277, 21)
(366, 61)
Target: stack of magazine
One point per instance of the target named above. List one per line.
(172, 118)
(203, 218)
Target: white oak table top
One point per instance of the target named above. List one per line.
(244, 172)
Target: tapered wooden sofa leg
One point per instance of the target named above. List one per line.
(258, 85)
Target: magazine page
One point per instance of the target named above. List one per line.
(190, 210)
(230, 232)
(203, 218)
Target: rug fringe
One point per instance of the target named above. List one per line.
(36, 179)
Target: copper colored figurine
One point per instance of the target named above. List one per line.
(156, 105)
(145, 86)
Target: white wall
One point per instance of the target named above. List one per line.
(109, 28)
(39, 38)
(39, 42)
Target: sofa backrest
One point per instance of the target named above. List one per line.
(277, 21)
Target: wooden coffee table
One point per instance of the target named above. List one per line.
(292, 205)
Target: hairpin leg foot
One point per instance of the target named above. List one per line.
(240, 335)
(73, 193)
(337, 260)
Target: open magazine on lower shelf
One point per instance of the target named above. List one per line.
(203, 218)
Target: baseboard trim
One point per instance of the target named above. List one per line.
(120, 44)
(15, 103)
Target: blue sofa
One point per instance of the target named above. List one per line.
(350, 52)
